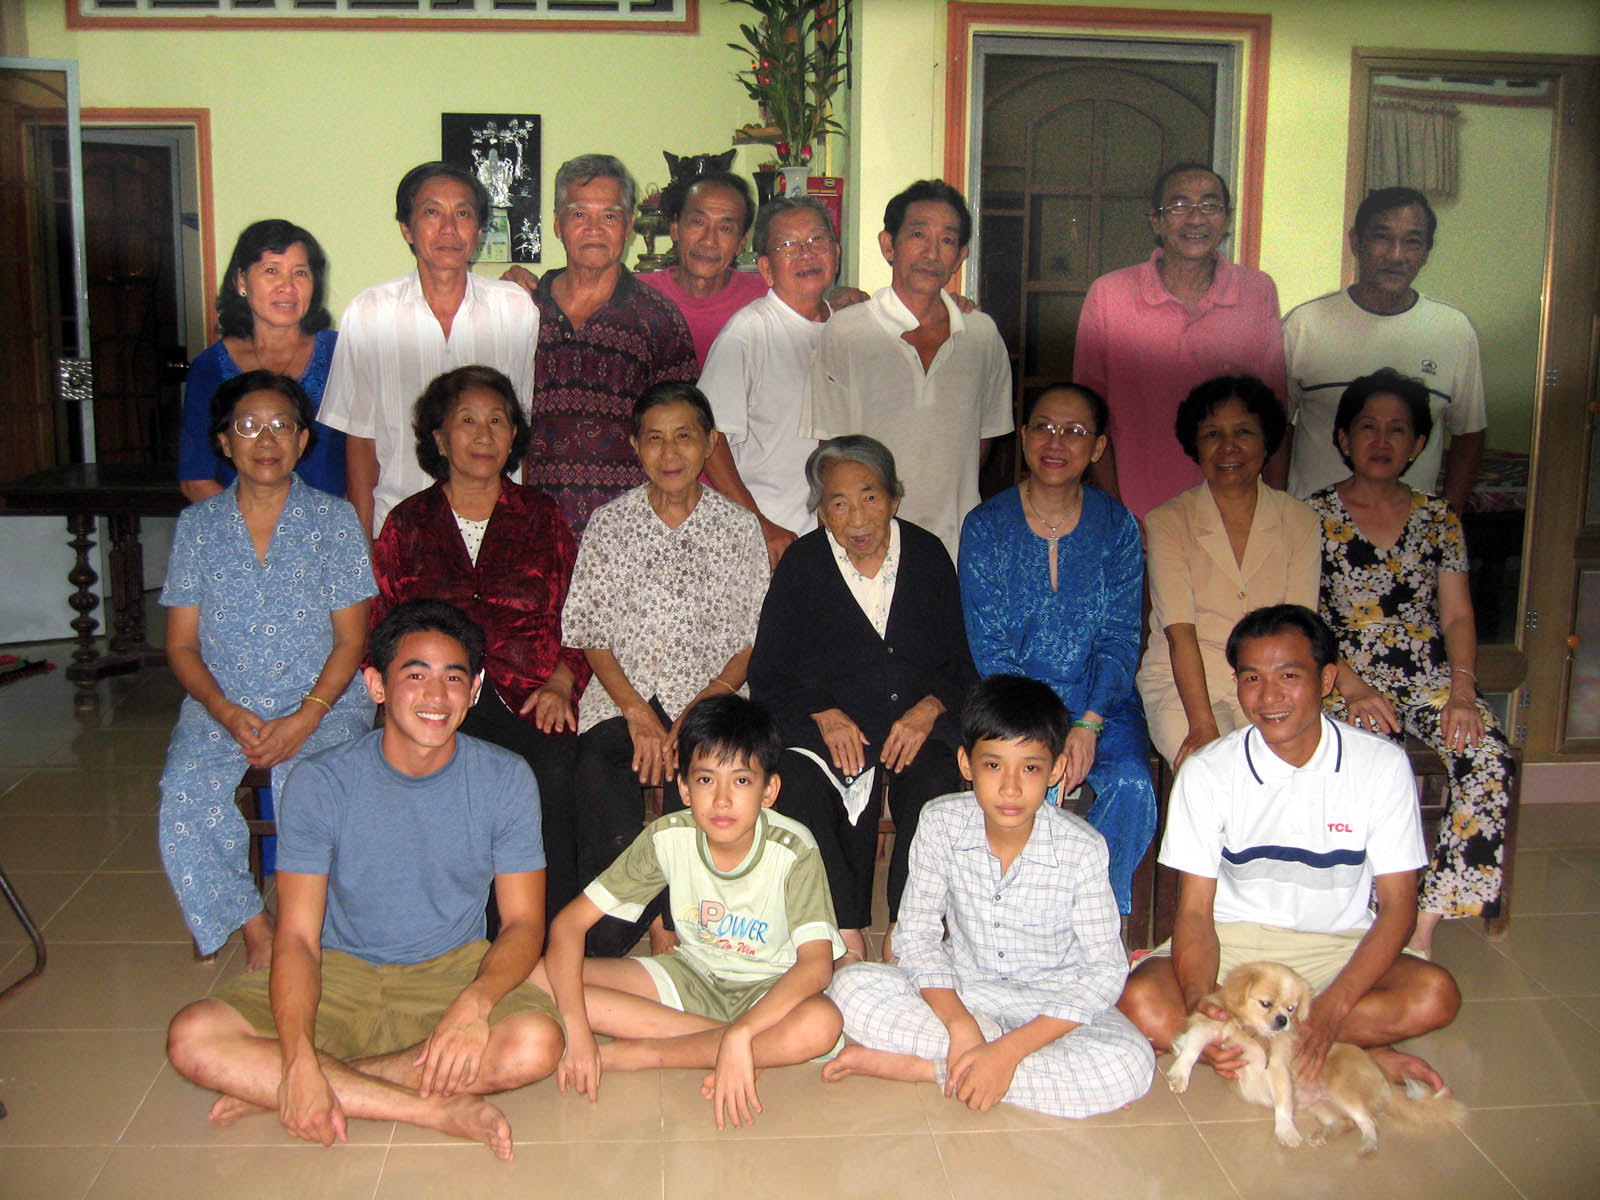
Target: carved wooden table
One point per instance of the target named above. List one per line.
(123, 493)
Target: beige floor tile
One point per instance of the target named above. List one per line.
(1545, 1152)
(1585, 859)
(42, 894)
(69, 791)
(109, 985)
(1442, 1164)
(794, 1099)
(114, 749)
(1540, 826)
(629, 1109)
(239, 1173)
(806, 1168)
(23, 746)
(124, 907)
(1481, 971)
(1550, 881)
(1168, 1160)
(76, 1088)
(1515, 1052)
(43, 1173)
(140, 850)
(40, 842)
(174, 1113)
(1562, 953)
(583, 1169)
(1587, 1007)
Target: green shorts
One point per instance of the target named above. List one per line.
(369, 1009)
(1319, 957)
(680, 986)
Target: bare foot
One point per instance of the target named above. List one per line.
(855, 942)
(1421, 942)
(474, 1118)
(880, 1064)
(229, 1109)
(1398, 1067)
(258, 942)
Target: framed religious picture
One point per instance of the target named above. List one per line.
(502, 150)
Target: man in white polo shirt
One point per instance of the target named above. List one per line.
(396, 337)
(1380, 320)
(1281, 832)
(757, 369)
(910, 369)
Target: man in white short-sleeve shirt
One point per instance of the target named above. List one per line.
(1380, 320)
(1281, 831)
(396, 337)
(757, 370)
(908, 368)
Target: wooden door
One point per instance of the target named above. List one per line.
(133, 299)
(1069, 151)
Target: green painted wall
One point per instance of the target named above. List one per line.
(318, 126)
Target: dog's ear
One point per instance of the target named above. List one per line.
(1236, 989)
(1302, 999)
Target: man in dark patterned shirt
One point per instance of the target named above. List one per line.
(603, 340)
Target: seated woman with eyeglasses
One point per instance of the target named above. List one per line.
(267, 594)
(1051, 578)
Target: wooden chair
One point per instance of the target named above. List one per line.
(248, 797)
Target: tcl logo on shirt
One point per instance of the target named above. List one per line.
(1339, 827)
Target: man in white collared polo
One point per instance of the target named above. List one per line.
(908, 368)
(396, 337)
(1281, 832)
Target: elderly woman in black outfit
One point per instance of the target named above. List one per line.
(862, 654)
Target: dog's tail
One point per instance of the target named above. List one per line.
(1415, 1107)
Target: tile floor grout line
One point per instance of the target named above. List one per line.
(145, 1095)
(1488, 1158)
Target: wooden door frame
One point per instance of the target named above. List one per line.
(965, 20)
(198, 119)
(1536, 666)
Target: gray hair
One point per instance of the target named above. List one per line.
(585, 167)
(779, 205)
(852, 447)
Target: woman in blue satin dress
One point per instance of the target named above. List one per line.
(1052, 574)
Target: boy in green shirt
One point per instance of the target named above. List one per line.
(755, 923)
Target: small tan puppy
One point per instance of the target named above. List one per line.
(1266, 1001)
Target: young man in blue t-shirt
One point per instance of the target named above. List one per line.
(384, 1000)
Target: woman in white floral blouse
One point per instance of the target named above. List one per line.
(1394, 588)
(664, 602)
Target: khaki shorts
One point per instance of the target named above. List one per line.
(1319, 957)
(369, 1009)
(680, 986)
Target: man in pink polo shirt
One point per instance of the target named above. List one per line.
(708, 220)
(1150, 333)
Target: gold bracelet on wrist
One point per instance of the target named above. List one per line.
(723, 682)
(316, 700)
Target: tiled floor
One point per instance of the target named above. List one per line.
(95, 1111)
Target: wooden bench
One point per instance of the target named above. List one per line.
(1156, 887)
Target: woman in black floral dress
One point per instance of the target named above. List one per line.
(1394, 588)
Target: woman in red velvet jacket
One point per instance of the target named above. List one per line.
(503, 554)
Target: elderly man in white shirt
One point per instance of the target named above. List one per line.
(910, 369)
(396, 337)
(757, 370)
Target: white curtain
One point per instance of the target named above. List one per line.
(1413, 143)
